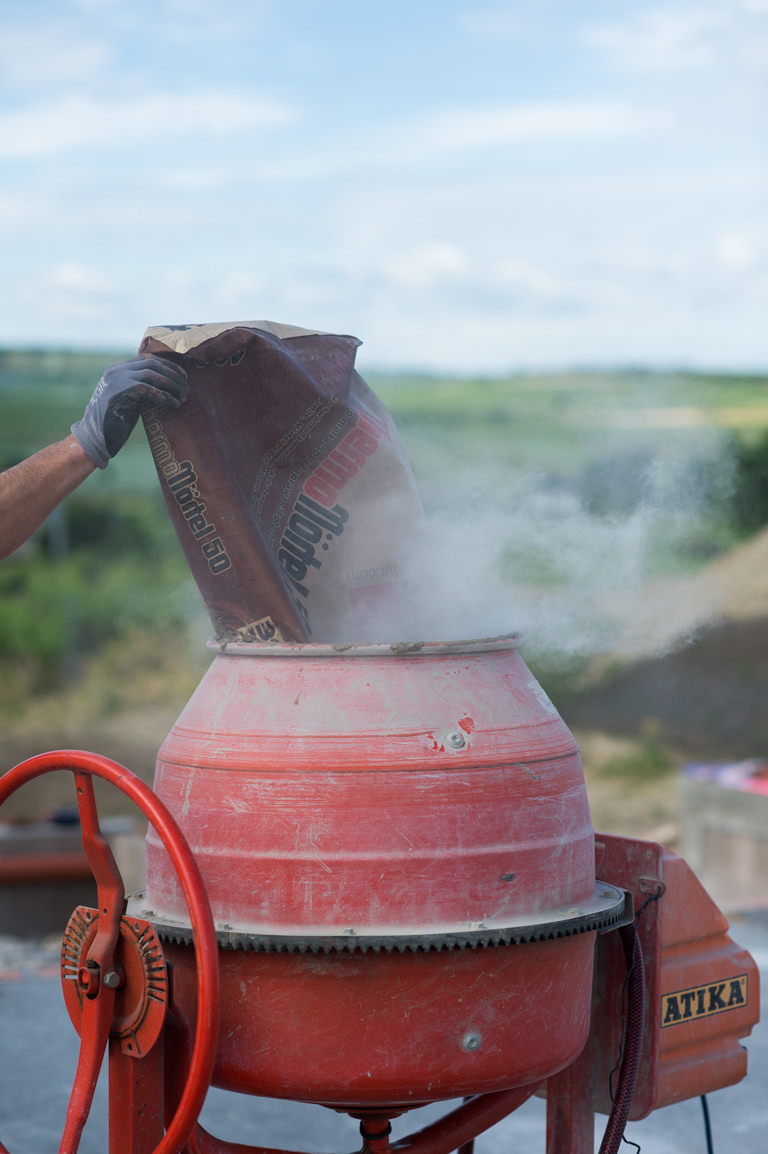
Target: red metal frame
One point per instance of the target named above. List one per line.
(128, 1076)
(155, 1099)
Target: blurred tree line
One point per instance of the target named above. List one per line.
(104, 580)
(107, 569)
(749, 502)
(723, 492)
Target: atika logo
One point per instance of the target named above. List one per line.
(703, 1001)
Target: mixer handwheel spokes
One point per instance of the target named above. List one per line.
(140, 979)
(113, 969)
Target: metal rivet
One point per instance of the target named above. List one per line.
(471, 1042)
(456, 740)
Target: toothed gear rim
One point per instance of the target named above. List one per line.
(611, 909)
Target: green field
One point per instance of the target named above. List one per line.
(568, 483)
(541, 420)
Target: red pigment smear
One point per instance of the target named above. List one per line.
(467, 724)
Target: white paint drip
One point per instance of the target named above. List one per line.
(541, 697)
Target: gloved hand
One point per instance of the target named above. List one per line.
(114, 408)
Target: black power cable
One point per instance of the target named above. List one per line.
(614, 1134)
(707, 1127)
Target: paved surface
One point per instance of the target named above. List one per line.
(38, 1053)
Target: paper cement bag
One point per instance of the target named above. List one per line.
(287, 485)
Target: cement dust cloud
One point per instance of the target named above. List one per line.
(298, 509)
(512, 550)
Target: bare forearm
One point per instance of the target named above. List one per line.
(32, 489)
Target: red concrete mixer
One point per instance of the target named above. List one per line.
(376, 829)
(372, 878)
(373, 883)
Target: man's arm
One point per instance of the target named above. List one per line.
(31, 490)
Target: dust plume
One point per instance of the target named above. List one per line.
(576, 570)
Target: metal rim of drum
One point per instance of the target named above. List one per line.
(363, 649)
(611, 909)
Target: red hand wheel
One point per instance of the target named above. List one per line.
(128, 1001)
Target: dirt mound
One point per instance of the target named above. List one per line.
(737, 583)
(707, 694)
(669, 614)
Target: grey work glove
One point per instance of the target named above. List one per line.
(114, 408)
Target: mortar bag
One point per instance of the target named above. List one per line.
(287, 484)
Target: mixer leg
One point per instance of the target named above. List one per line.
(570, 1113)
(136, 1104)
(468, 1147)
(375, 1131)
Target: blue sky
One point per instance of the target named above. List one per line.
(464, 186)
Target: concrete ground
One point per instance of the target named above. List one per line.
(38, 1054)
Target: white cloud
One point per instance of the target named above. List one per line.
(236, 293)
(77, 278)
(682, 38)
(441, 279)
(737, 251)
(190, 22)
(32, 58)
(415, 144)
(426, 266)
(538, 286)
(463, 128)
(61, 32)
(83, 122)
(478, 194)
(69, 294)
